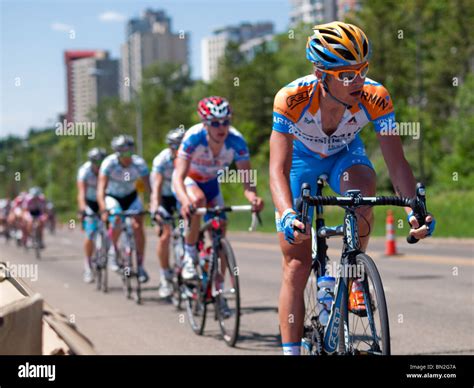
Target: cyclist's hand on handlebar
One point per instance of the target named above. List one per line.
(292, 228)
(257, 204)
(424, 231)
(187, 209)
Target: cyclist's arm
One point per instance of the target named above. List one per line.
(180, 173)
(281, 149)
(101, 185)
(81, 195)
(157, 180)
(146, 182)
(399, 169)
(250, 189)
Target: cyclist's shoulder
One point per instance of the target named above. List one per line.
(163, 157)
(236, 141)
(195, 134)
(235, 135)
(85, 167)
(109, 161)
(376, 99)
(292, 98)
(138, 160)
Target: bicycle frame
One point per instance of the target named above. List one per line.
(351, 248)
(214, 225)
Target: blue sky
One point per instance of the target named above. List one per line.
(34, 35)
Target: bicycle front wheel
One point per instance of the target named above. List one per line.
(366, 324)
(196, 306)
(227, 294)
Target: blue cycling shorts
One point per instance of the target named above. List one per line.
(307, 168)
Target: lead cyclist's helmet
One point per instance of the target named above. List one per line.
(214, 107)
(174, 137)
(123, 143)
(337, 44)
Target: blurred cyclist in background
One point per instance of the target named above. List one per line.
(163, 205)
(116, 191)
(87, 177)
(34, 206)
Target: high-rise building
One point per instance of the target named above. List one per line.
(213, 47)
(149, 40)
(91, 76)
(313, 11)
(345, 7)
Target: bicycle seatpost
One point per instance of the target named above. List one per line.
(419, 210)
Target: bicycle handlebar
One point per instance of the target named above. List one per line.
(354, 199)
(235, 208)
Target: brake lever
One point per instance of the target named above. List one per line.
(419, 210)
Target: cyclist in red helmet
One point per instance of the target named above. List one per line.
(208, 148)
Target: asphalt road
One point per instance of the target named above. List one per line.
(429, 290)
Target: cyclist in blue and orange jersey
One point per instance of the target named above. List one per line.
(163, 204)
(119, 174)
(207, 148)
(87, 176)
(316, 125)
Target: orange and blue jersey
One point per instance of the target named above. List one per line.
(296, 111)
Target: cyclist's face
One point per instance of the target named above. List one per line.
(218, 130)
(348, 92)
(174, 151)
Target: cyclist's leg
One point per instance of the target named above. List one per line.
(89, 225)
(27, 225)
(198, 196)
(138, 229)
(296, 262)
(112, 205)
(353, 170)
(162, 249)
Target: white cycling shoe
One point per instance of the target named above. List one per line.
(165, 289)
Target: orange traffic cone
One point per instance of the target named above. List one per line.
(390, 245)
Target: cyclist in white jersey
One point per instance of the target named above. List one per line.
(207, 148)
(87, 203)
(119, 173)
(163, 205)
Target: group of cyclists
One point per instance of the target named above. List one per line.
(16, 216)
(183, 178)
(316, 125)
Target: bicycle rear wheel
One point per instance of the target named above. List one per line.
(367, 330)
(312, 330)
(101, 250)
(227, 299)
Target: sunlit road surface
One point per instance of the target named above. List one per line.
(429, 289)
